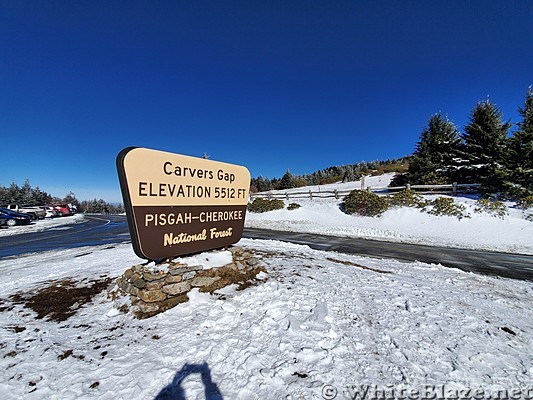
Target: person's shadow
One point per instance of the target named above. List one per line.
(174, 391)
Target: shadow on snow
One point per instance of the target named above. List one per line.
(174, 391)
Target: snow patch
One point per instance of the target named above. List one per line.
(511, 234)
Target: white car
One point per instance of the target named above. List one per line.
(51, 212)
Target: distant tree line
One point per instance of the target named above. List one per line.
(23, 195)
(100, 207)
(343, 173)
(26, 195)
(485, 152)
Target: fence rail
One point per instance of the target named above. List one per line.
(452, 189)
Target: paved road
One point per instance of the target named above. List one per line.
(102, 229)
(95, 230)
(514, 266)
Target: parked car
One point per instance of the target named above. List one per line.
(51, 212)
(73, 209)
(35, 212)
(12, 218)
(63, 209)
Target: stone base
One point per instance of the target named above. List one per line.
(156, 289)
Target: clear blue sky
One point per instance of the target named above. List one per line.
(271, 85)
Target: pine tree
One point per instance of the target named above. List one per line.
(485, 147)
(349, 174)
(260, 184)
(433, 161)
(4, 197)
(14, 194)
(70, 198)
(520, 156)
(26, 194)
(41, 197)
(287, 181)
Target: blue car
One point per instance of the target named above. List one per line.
(12, 218)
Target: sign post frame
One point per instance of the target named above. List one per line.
(177, 204)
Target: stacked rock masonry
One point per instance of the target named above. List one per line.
(156, 289)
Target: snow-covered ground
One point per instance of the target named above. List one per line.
(317, 323)
(41, 225)
(512, 234)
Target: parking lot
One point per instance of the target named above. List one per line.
(13, 215)
(37, 225)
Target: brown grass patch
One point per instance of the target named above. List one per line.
(61, 299)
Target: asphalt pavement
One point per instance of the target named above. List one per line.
(94, 230)
(507, 265)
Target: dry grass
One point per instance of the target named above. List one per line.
(61, 299)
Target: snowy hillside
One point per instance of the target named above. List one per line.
(481, 231)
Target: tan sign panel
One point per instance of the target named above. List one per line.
(178, 204)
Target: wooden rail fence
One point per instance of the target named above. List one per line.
(452, 189)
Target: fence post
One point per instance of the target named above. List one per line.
(336, 193)
(269, 196)
(287, 195)
(408, 186)
(310, 194)
(454, 189)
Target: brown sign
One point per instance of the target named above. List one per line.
(178, 204)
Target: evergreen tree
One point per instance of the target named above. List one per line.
(4, 199)
(26, 194)
(520, 156)
(287, 181)
(259, 183)
(70, 198)
(274, 184)
(14, 194)
(433, 161)
(349, 174)
(95, 206)
(485, 147)
(315, 178)
(40, 197)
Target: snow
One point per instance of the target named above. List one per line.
(59, 223)
(512, 234)
(379, 181)
(316, 324)
(207, 260)
(316, 319)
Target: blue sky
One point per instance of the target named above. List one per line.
(271, 85)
